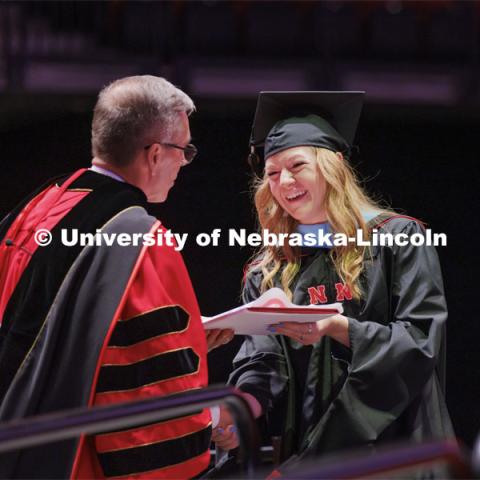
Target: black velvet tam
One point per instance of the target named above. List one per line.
(291, 119)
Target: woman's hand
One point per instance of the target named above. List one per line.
(217, 337)
(312, 332)
(225, 433)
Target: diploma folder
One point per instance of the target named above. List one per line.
(272, 307)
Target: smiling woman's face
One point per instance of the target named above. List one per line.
(297, 184)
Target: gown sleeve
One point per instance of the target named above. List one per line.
(259, 368)
(391, 363)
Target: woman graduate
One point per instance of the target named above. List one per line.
(376, 373)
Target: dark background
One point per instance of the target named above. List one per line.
(418, 133)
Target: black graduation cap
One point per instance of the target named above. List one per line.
(292, 119)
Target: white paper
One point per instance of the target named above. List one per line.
(245, 321)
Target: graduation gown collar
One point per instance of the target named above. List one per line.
(321, 230)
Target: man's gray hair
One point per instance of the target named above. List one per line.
(132, 111)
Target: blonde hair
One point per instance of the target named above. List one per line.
(345, 203)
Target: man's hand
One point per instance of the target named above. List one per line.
(217, 337)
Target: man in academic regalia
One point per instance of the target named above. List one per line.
(99, 324)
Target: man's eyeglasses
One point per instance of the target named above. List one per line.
(189, 152)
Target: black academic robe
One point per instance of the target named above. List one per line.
(389, 385)
(52, 331)
(59, 335)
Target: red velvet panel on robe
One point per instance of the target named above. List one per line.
(43, 212)
(159, 319)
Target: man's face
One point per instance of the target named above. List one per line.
(170, 160)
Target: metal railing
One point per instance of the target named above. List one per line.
(388, 462)
(30, 432)
(476, 458)
(67, 424)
